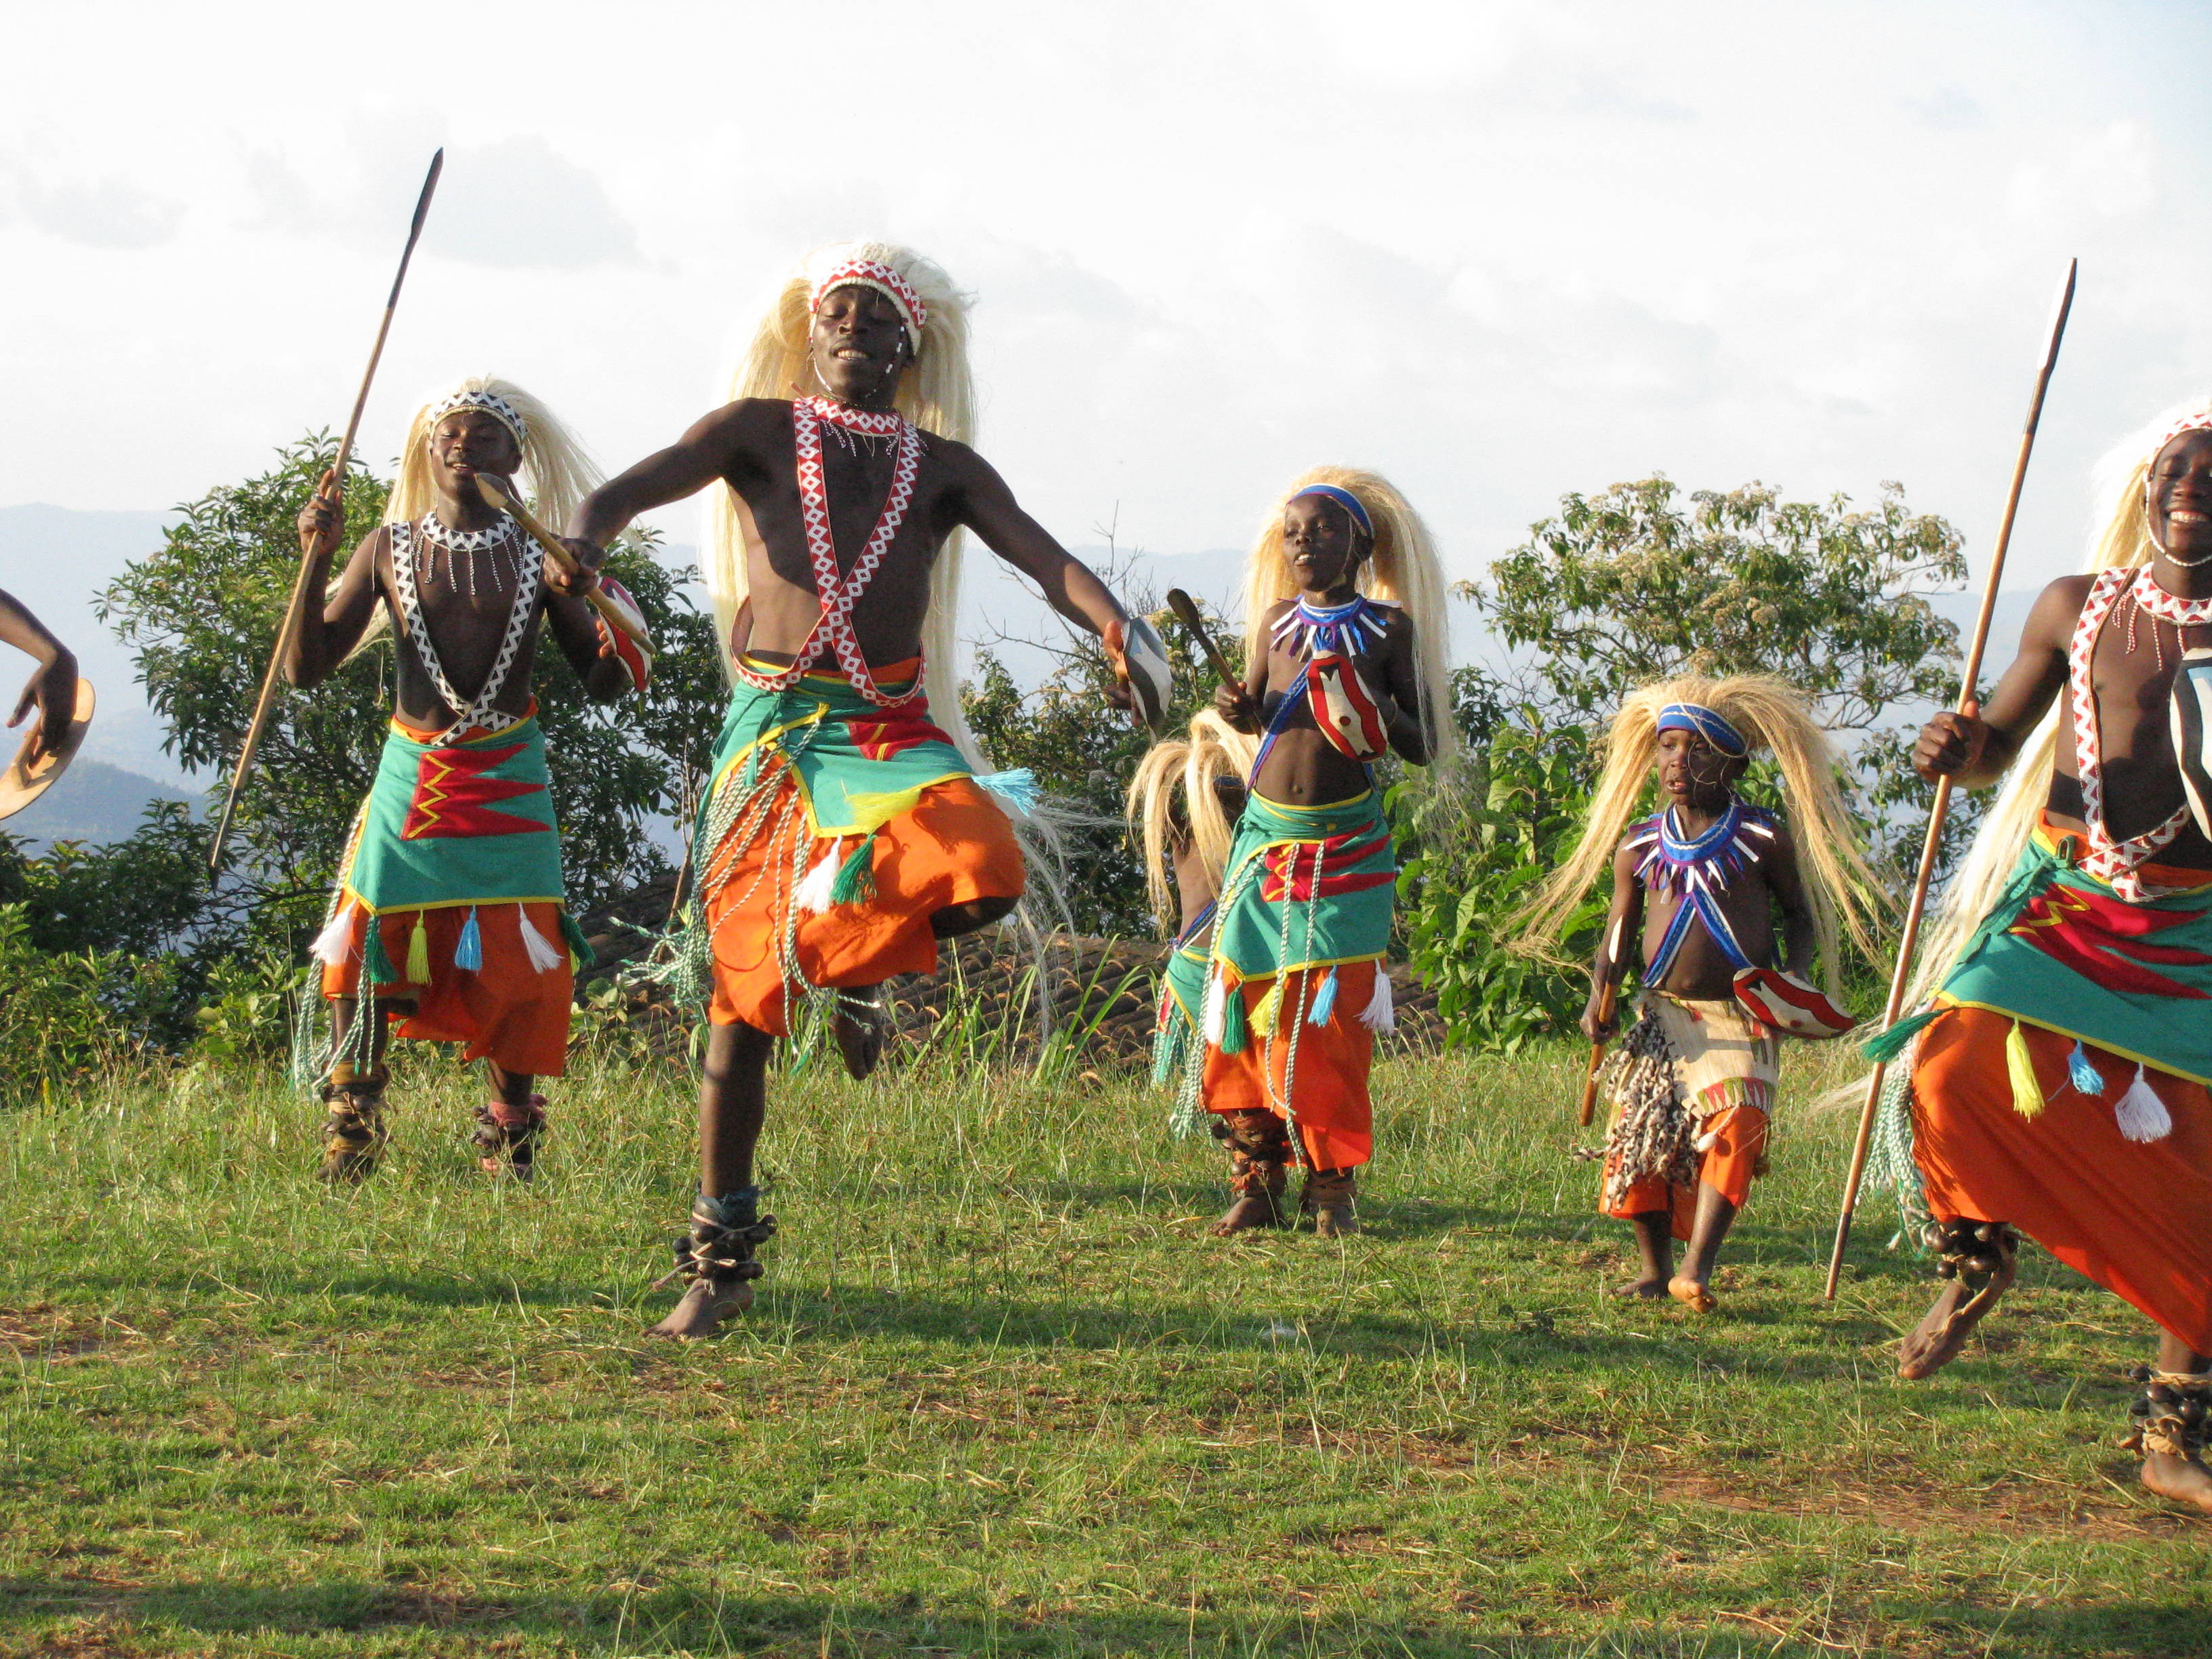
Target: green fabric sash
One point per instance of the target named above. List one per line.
(2063, 951)
(1306, 887)
(467, 823)
(857, 766)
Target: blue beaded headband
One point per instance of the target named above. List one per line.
(1345, 499)
(1696, 717)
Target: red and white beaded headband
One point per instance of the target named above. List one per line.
(873, 273)
(492, 404)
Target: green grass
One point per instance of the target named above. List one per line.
(1001, 1396)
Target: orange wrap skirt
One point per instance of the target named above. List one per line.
(954, 846)
(1335, 1113)
(2136, 1217)
(507, 1011)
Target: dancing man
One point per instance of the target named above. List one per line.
(845, 829)
(1344, 602)
(1700, 885)
(449, 900)
(2058, 1078)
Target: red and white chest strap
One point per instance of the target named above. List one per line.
(2107, 858)
(832, 629)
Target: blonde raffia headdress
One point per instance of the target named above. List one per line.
(555, 472)
(2121, 540)
(1165, 818)
(1765, 713)
(936, 392)
(1402, 568)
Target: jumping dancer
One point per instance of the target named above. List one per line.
(2056, 1082)
(846, 828)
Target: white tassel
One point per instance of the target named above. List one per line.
(813, 895)
(1217, 1012)
(1380, 1014)
(334, 944)
(2141, 1114)
(544, 958)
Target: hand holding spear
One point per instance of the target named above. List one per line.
(1900, 977)
(1607, 997)
(334, 482)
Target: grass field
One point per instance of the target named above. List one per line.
(1002, 1396)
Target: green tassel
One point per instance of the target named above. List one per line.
(1886, 1046)
(580, 954)
(418, 952)
(1232, 1021)
(375, 960)
(856, 876)
(2026, 1092)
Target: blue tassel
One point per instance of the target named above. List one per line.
(2082, 1073)
(468, 949)
(1324, 1002)
(1018, 788)
(1886, 1046)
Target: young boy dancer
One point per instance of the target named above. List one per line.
(1700, 884)
(2058, 1084)
(450, 899)
(845, 831)
(1184, 802)
(1343, 597)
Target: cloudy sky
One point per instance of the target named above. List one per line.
(1498, 252)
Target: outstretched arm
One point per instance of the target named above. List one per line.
(327, 631)
(684, 468)
(1786, 881)
(1070, 587)
(1623, 924)
(51, 687)
(1976, 750)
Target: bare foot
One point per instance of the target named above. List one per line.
(1692, 1295)
(1334, 1221)
(1646, 1289)
(2183, 1479)
(704, 1306)
(859, 1033)
(1943, 1330)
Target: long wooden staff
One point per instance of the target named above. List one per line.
(558, 552)
(1608, 999)
(293, 613)
(1902, 974)
(1187, 613)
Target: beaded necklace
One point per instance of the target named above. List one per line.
(1698, 869)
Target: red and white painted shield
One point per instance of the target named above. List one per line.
(1789, 1004)
(1344, 708)
(633, 656)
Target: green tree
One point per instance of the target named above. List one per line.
(201, 616)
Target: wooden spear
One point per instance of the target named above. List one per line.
(295, 611)
(1901, 976)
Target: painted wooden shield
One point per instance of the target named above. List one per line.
(23, 782)
(2189, 710)
(1789, 1004)
(1151, 680)
(1345, 709)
